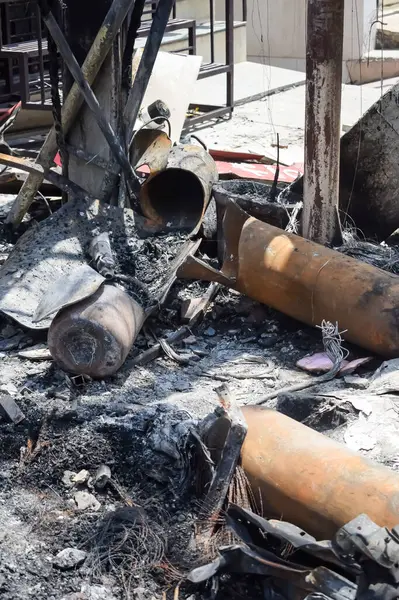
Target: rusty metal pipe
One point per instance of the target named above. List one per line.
(312, 481)
(306, 281)
(93, 337)
(177, 195)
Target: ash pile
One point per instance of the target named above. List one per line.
(196, 401)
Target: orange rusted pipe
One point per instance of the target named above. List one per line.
(307, 281)
(310, 283)
(178, 194)
(312, 481)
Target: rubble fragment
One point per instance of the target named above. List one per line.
(37, 352)
(86, 501)
(81, 477)
(9, 409)
(362, 558)
(102, 477)
(67, 478)
(69, 558)
(321, 363)
(386, 379)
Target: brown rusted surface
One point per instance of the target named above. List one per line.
(178, 195)
(150, 147)
(307, 282)
(325, 27)
(94, 336)
(312, 481)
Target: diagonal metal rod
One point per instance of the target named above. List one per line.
(146, 65)
(94, 60)
(92, 102)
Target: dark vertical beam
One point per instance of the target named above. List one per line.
(230, 51)
(212, 24)
(325, 29)
(39, 34)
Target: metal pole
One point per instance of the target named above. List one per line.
(39, 34)
(325, 28)
(212, 23)
(140, 83)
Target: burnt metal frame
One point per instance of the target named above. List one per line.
(207, 70)
(173, 25)
(22, 52)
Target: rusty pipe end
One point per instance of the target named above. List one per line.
(173, 198)
(177, 193)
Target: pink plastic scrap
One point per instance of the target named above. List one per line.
(321, 363)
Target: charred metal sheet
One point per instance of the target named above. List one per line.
(317, 483)
(177, 196)
(369, 170)
(306, 281)
(376, 550)
(252, 529)
(93, 337)
(240, 559)
(51, 251)
(362, 536)
(77, 285)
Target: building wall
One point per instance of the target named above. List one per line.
(276, 31)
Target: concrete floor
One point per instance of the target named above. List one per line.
(255, 125)
(251, 81)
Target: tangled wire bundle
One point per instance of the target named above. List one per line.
(126, 543)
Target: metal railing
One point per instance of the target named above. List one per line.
(25, 68)
(202, 113)
(23, 53)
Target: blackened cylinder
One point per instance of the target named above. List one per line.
(93, 337)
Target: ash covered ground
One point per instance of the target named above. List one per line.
(130, 423)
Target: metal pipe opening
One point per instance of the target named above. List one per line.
(175, 198)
